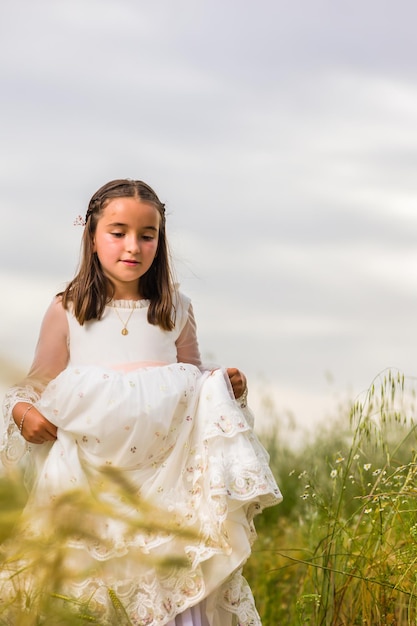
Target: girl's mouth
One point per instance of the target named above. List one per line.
(130, 262)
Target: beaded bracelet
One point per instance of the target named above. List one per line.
(23, 417)
(243, 399)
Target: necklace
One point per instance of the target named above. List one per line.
(134, 306)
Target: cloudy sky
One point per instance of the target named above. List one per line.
(282, 136)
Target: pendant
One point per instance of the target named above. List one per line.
(125, 331)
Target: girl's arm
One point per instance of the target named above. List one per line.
(189, 352)
(51, 357)
(187, 343)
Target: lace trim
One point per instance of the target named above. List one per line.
(236, 597)
(13, 446)
(153, 600)
(129, 304)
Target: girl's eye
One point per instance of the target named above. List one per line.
(148, 237)
(118, 235)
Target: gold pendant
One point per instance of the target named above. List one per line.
(124, 330)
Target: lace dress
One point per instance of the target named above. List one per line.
(183, 443)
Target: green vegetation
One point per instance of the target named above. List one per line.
(341, 550)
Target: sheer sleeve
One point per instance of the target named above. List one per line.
(187, 343)
(51, 357)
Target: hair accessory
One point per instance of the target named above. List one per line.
(23, 417)
(79, 221)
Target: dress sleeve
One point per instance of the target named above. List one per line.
(51, 357)
(187, 343)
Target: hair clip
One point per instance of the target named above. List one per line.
(79, 221)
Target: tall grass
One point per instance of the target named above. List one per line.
(345, 551)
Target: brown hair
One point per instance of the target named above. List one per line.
(91, 290)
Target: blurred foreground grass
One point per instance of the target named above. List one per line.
(37, 569)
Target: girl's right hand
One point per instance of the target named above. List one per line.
(36, 428)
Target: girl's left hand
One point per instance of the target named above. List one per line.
(237, 380)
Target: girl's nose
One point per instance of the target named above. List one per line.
(132, 245)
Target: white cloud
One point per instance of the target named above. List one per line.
(282, 139)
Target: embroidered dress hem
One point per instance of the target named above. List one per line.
(179, 451)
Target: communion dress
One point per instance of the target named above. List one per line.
(143, 405)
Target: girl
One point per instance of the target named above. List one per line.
(117, 381)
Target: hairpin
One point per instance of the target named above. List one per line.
(79, 221)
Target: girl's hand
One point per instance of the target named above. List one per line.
(36, 428)
(237, 380)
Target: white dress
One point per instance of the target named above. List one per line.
(183, 443)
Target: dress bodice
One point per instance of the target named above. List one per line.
(104, 343)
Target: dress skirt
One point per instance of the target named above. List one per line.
(168, 446)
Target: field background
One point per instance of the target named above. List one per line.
(341, 549)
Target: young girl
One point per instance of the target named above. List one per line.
(117, 380)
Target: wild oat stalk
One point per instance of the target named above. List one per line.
(361, 551)
(343, 552)
(35, 569)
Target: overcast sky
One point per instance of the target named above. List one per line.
(282, 137)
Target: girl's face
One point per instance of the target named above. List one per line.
(126, 241)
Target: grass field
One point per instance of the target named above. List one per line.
(342, 547)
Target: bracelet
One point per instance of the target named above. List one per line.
(243, 399)
(23, 417)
